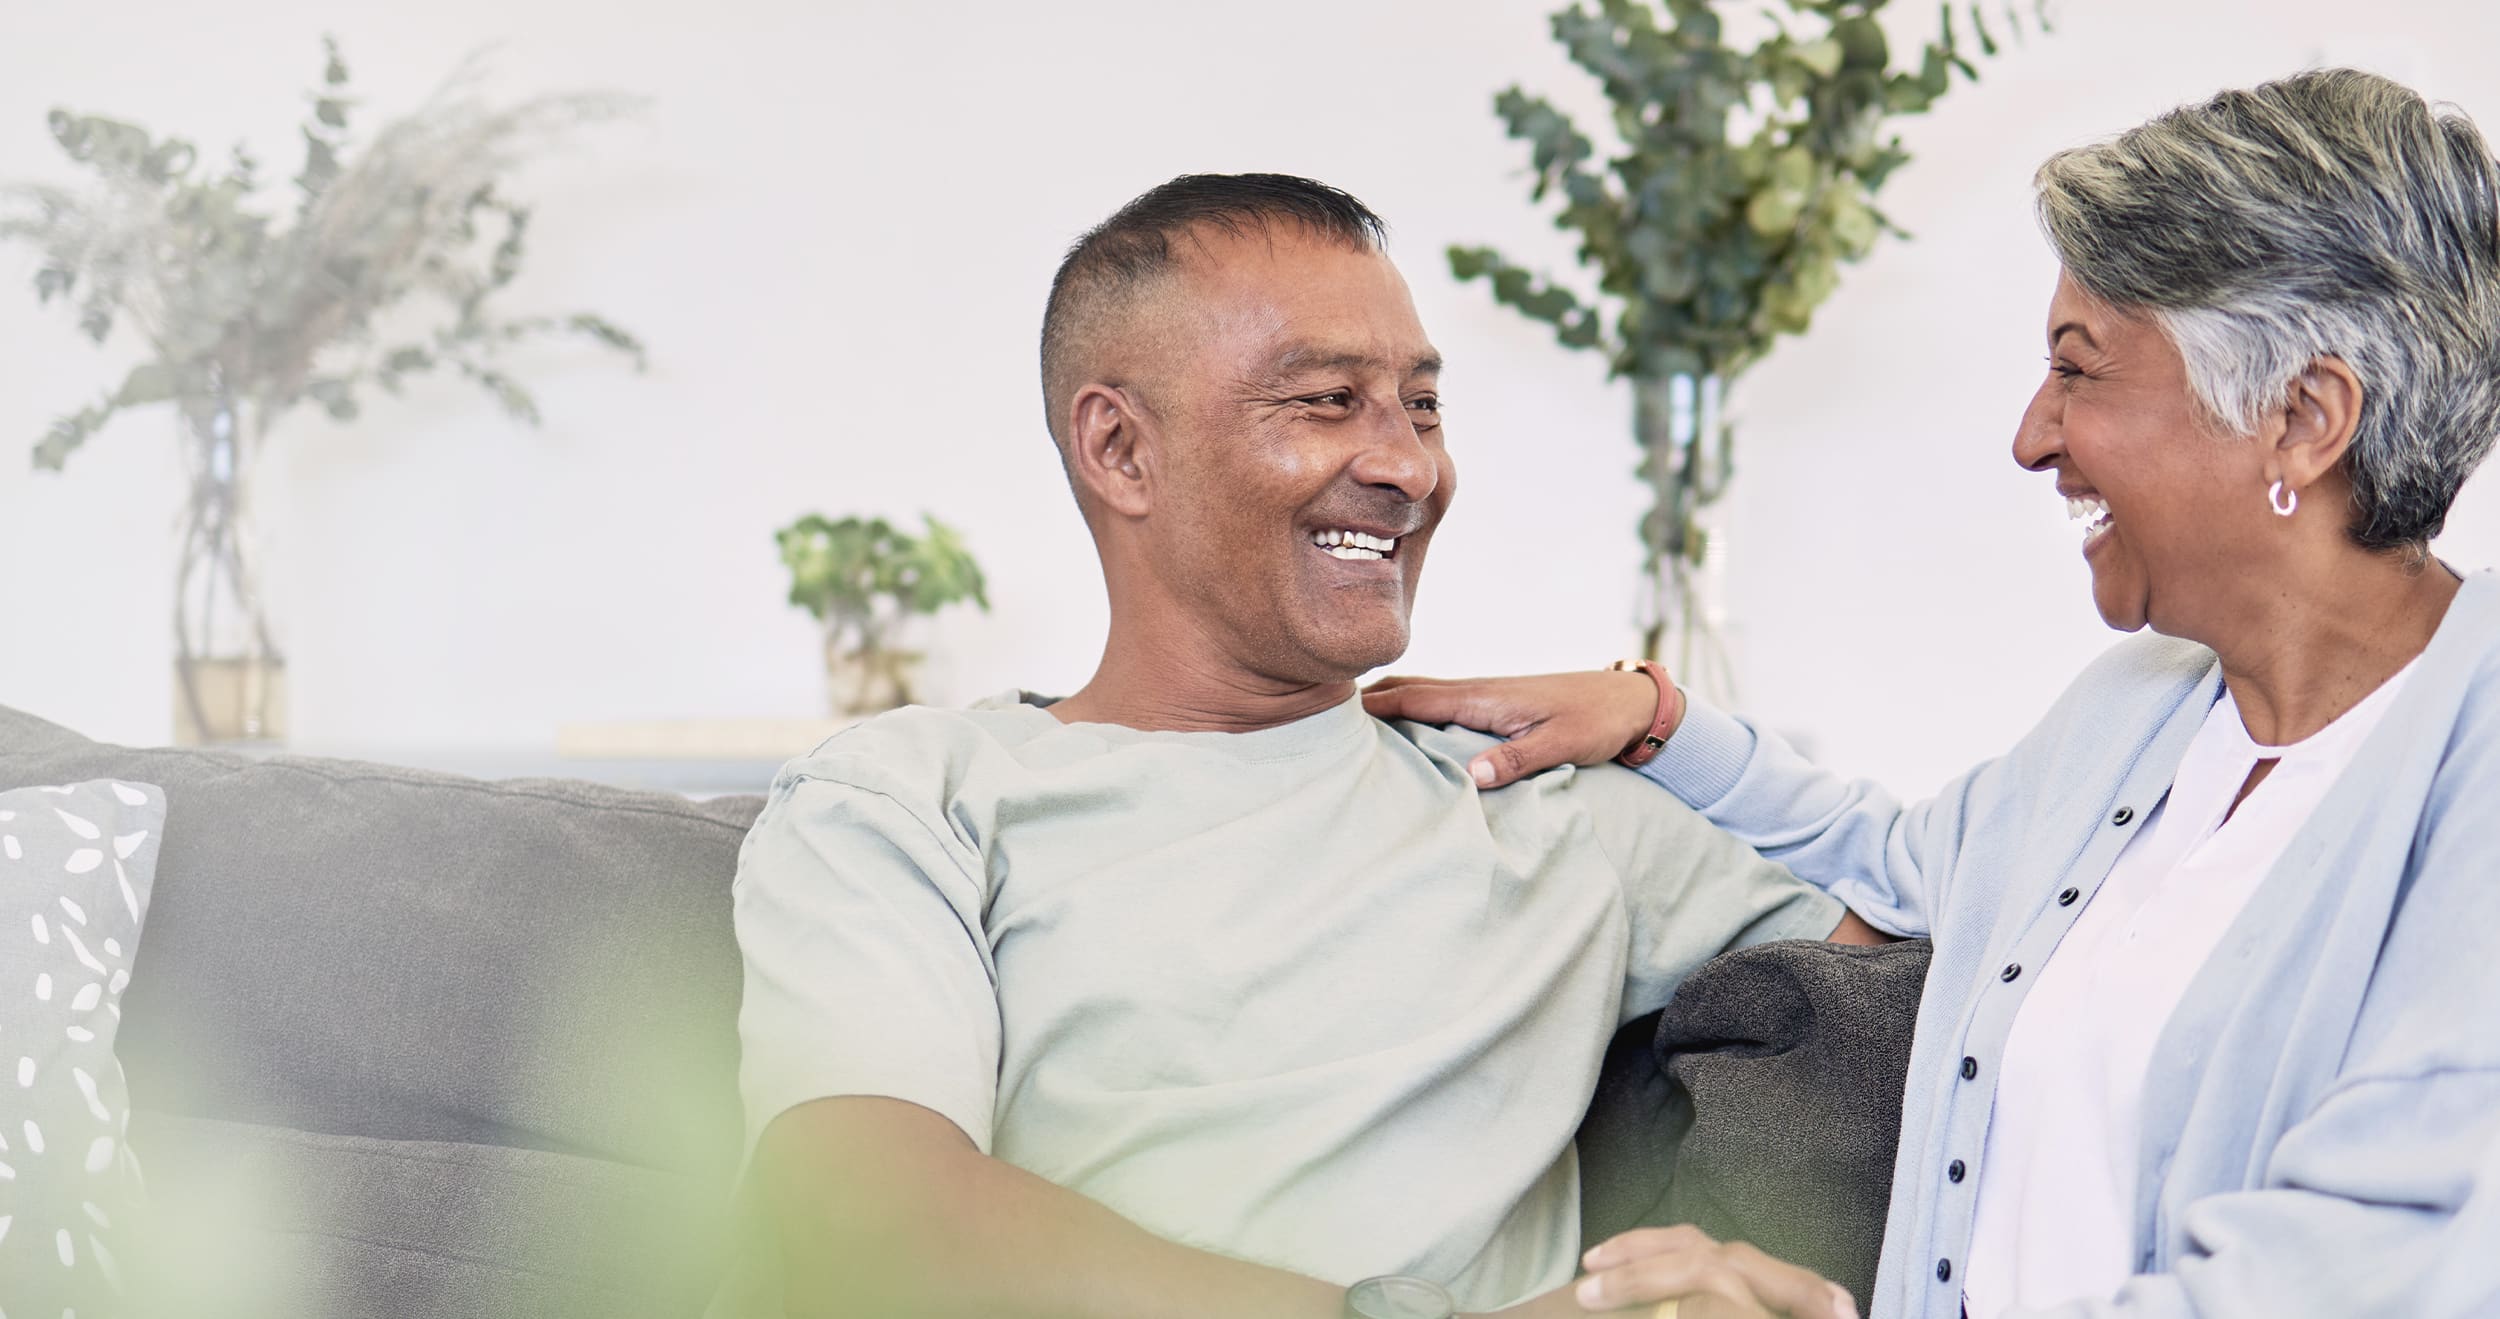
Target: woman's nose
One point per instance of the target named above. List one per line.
(2038, 437)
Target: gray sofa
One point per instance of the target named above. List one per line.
(405, 1044)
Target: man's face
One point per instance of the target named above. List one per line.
(1302, 469)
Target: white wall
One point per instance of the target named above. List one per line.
(835, 229)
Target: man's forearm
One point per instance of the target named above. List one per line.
(885, 1209)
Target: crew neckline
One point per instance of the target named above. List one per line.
(1337, 727)
(2363, 712)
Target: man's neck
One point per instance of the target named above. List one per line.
(1157, 690)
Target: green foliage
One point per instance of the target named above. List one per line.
(236, 305)
(1746, 177)
(864, 574)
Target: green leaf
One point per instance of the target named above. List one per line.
(334, 69)
(1979, 23)
(331, 112)
(148, 382)
(611, 334)
(1862, 42)
(52, 280)
(334, 396)
(321, 166)
(1773, 212)
(1824, 57)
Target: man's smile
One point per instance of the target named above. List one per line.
(1355, 546)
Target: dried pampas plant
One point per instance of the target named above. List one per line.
(249, 311)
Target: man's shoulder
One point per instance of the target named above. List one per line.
(1617, 801)
(918, 752)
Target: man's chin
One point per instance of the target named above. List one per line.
(1354, 660)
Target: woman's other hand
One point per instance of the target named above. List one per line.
(1657, 1272)
(1706, 1278)
(1555, 719)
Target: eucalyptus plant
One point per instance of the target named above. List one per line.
(864, 579)
(1742, 177)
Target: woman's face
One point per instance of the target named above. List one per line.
(2169, 508)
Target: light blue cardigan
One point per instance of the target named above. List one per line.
(2326, 1099)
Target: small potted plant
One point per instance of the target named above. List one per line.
(864, 580)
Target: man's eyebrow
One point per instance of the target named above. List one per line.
(1304, 358)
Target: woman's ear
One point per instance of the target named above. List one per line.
(1110, 448)
(2320, 416)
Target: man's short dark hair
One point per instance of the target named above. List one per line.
(1114, 260)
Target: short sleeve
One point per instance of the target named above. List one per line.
(867, 971)
(1691, 889)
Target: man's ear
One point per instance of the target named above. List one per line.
(1111, 448)
(2320, 416)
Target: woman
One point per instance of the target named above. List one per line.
(2213, 1027)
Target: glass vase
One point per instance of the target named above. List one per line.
(1686, 461)
(229, 673)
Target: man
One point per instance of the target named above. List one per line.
(1200, 991)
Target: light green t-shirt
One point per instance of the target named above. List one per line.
(1303, 996)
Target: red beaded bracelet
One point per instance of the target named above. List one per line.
(1670, 713)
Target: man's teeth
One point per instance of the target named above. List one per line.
(1354, 545)
(2091, 510)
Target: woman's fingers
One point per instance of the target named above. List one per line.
(1702, 1290)
(1557, 719)
(1714, 1280)
(1475, 705)
(1533, 752)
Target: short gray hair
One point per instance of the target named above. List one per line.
(2330, 214)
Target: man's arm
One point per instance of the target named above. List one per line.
(885, 1208)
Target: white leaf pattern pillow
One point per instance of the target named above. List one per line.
(77, 863)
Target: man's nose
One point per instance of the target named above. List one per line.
(1395, 457)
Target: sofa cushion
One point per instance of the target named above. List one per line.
(255, 1222)
(363, 950)
(1763, 1105)
(77, 862)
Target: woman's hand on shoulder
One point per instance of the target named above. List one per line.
(1553, 719)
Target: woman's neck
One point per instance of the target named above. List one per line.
(2311, 647)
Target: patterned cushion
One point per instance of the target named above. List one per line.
(77, 863)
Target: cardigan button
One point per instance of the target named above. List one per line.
(2124, 814)
(1953, 1172)
(1970, 1069)
(2012, 971)
(2067, 898)
(1944, 1270)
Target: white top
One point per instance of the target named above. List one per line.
(2057, 1184)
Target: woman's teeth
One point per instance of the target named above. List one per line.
(1354, 545)
(2092, 511)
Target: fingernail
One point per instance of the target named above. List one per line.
(1848, 1304)
(1590, 1294)
(1596, 1256)
(1483, 772)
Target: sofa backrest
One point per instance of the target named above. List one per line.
(369, 951)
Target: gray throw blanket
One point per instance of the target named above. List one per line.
(1762, 1105)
